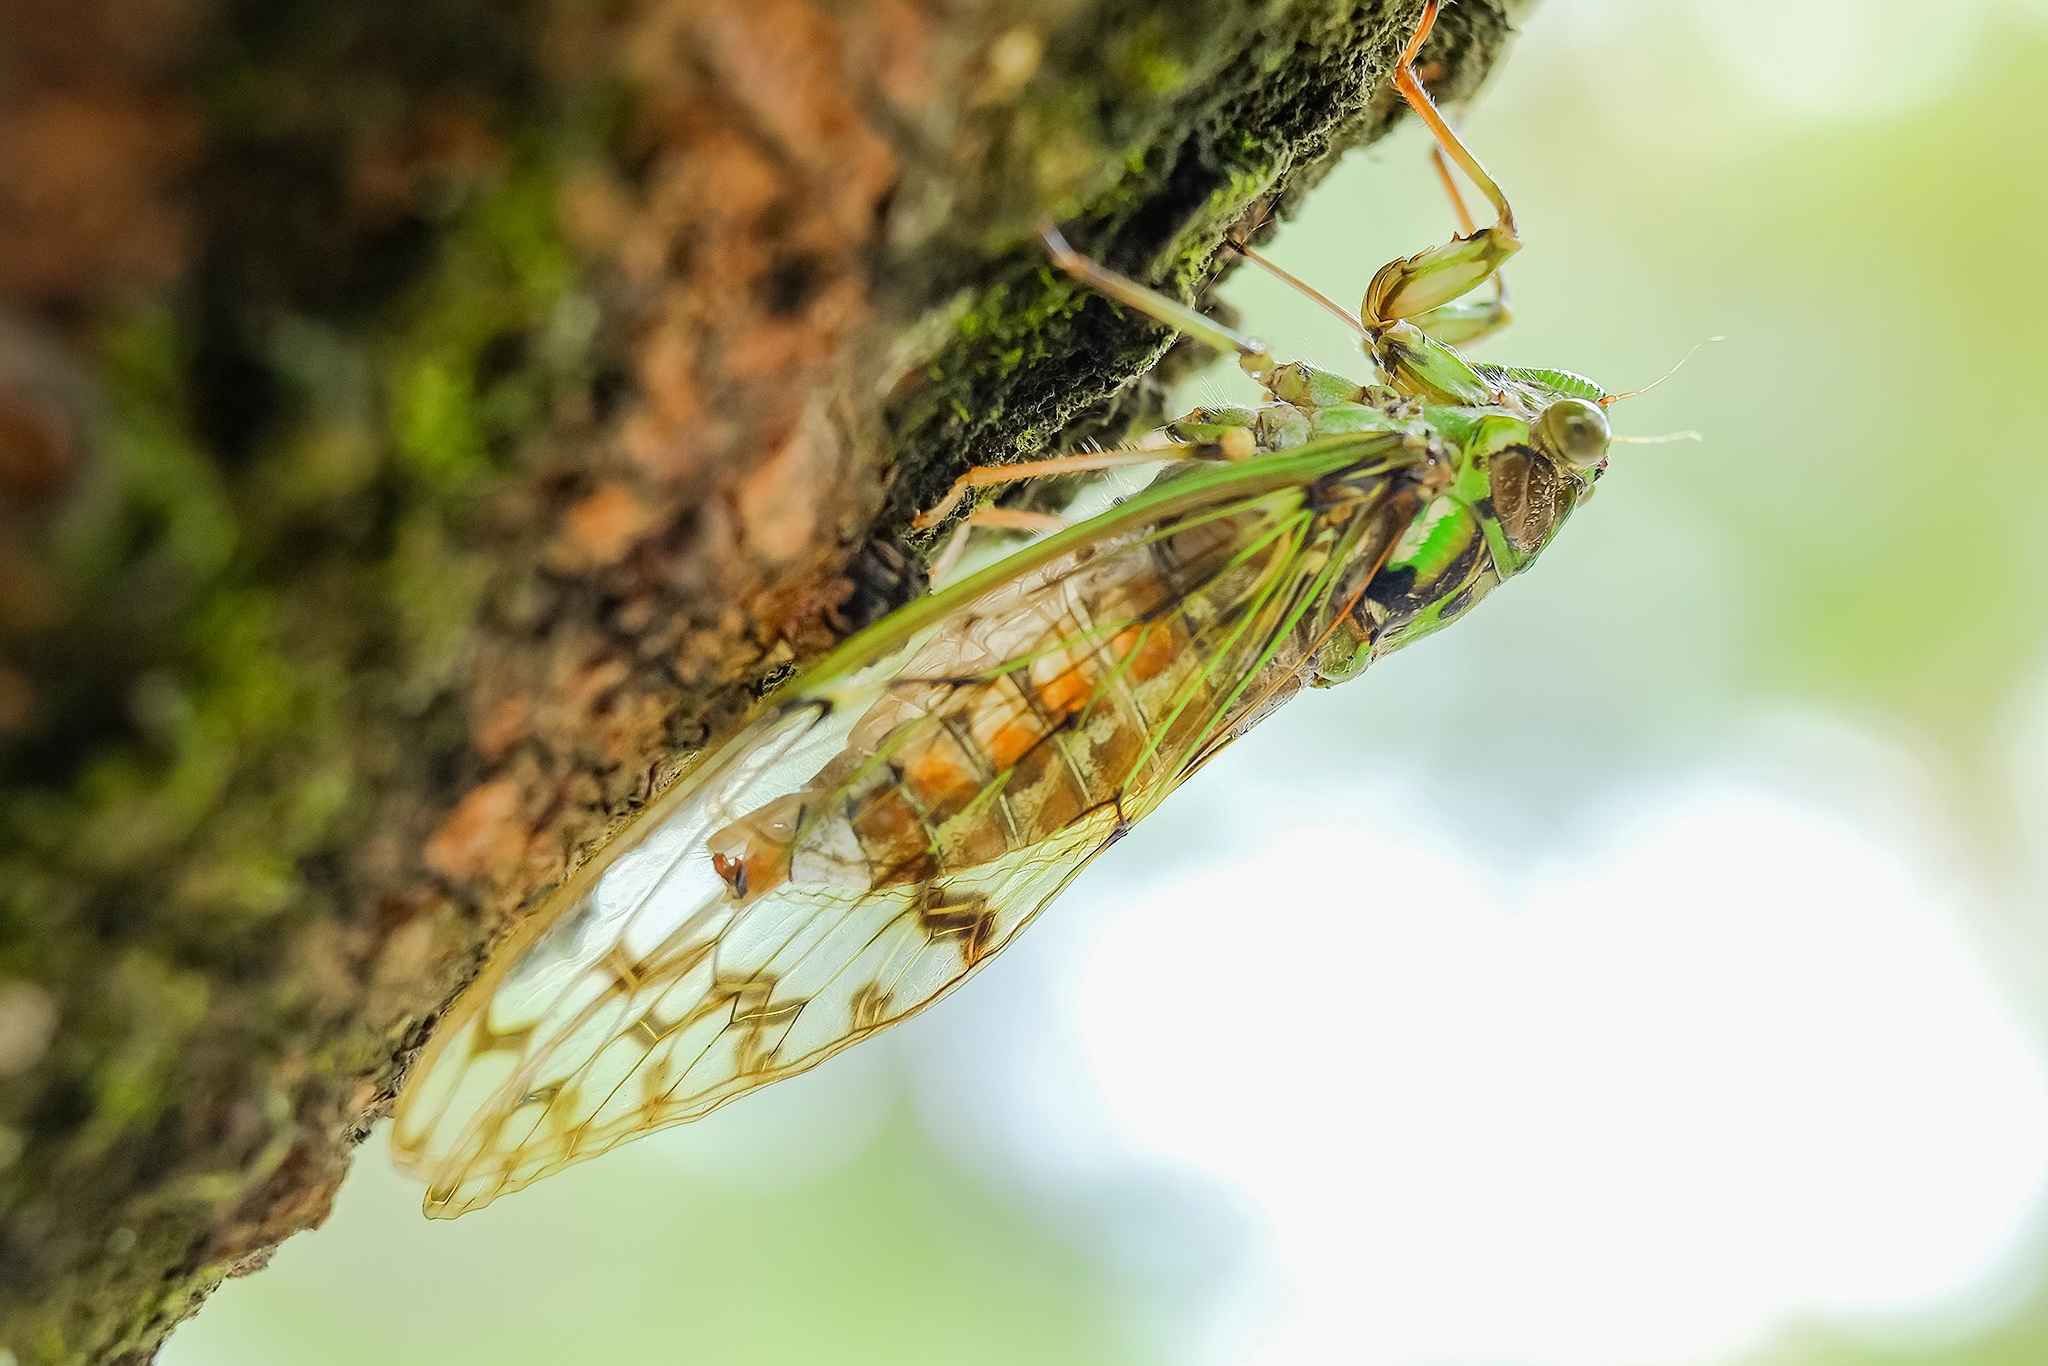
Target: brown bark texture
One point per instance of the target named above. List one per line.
(424, 423)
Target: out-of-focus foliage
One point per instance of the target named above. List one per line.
(851, 1239)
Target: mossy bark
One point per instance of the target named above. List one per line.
(424, 422)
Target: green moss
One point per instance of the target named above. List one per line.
(1145, 62)
(164, 510)
(133, 1084)
(503, 269)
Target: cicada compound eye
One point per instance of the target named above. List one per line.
(1574, 431)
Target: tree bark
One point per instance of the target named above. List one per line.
(423, 423)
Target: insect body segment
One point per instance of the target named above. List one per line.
(892, 819)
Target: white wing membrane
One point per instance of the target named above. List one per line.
(944, 802)
(657, 997)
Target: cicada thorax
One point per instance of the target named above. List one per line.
(1042, 707)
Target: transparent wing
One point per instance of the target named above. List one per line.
(944, 775)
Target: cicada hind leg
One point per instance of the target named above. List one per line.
(1016, 519)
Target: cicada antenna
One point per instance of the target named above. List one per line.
(1637, 393)
(1665, 440)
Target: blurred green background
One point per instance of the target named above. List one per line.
(1839, 600)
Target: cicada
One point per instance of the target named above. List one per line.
(891, 820)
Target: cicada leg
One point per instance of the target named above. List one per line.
(1253, 355)
(1229, 445)
(1406, 290)
(1464, 321)
(1460, 322)
(992, 519)
(1300, 286)
(1442, 166)
(1413, 308)
(990, 476)
(1236, 444)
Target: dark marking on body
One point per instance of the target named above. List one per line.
(1392, 584)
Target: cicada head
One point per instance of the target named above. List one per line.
(1534, 480)
(1573, 435)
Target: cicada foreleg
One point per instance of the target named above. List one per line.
(1414, 308)
(1252, 353)
(1235, 444)
(1300, 286)
(1464, 321)
(1408, 289)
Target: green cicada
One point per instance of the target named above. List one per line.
(893, 818)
